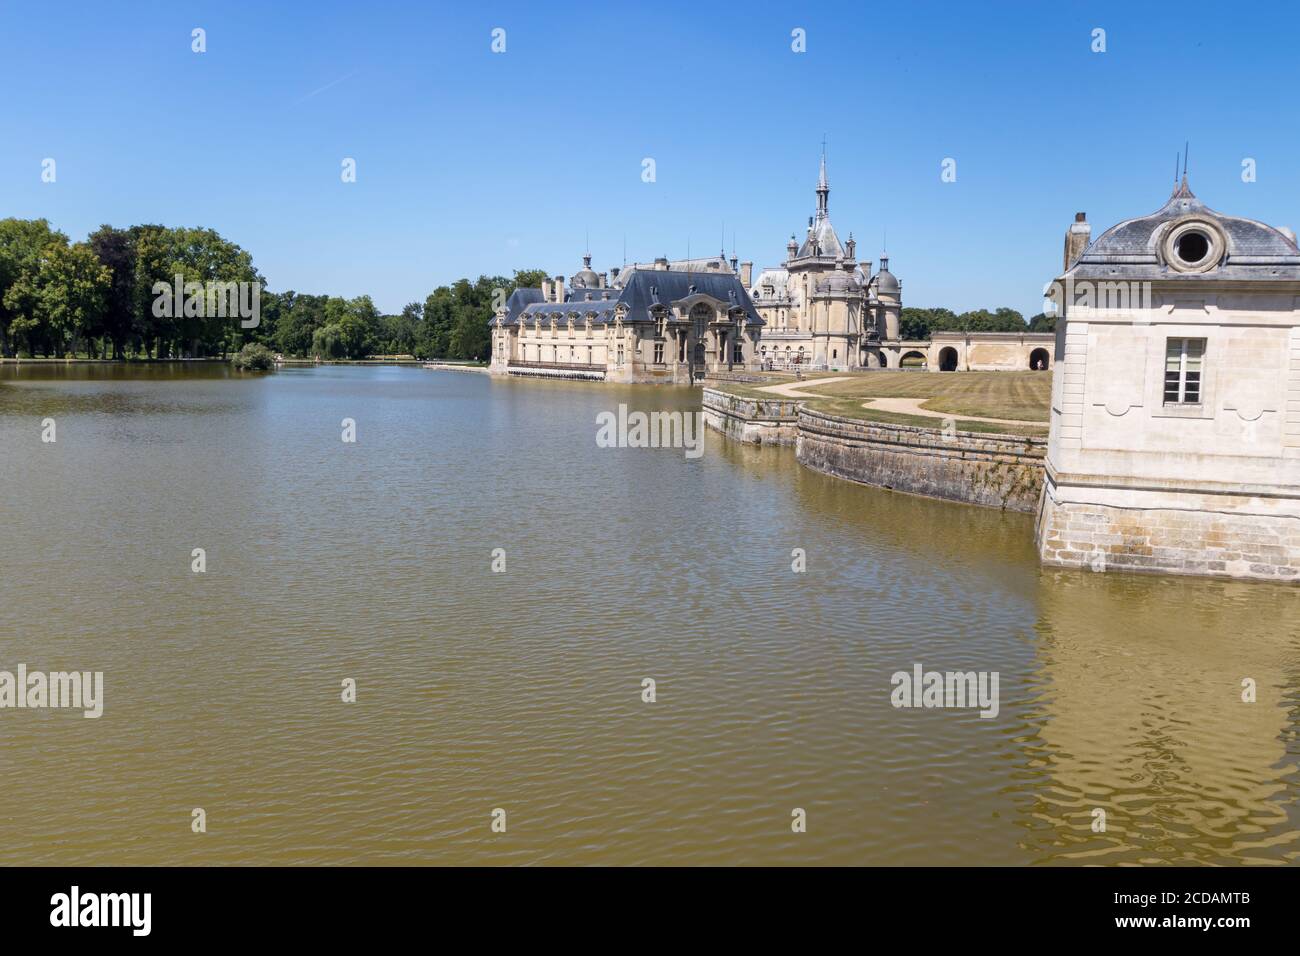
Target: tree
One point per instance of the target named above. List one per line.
(1042, 323)
(914, 324)
(398, 334)
(437, 323)
(22, 245)
(348, 330)
(253, 357)
(115, 250)
(300, 317)
(74, 287)
(529, 278)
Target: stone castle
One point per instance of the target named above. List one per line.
(678, 321)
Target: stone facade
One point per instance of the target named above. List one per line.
(990, 351)
(1175, 420)
(672, 322)
(823, 309)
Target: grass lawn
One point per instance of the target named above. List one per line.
(1018, 395)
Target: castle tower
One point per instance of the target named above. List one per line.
(889, 293)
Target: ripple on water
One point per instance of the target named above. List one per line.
(522, 690)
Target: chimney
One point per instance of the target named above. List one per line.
(662, 263)
(1076, 239)
(613, 275)
(600, 281)
(559, 288)
(546, 290)
(746, 273)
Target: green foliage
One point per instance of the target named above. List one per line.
(23, 244)
(106, 295)
(254, 356)
(456, 317)
(919, 323)
(1042, 323)
(347, 330)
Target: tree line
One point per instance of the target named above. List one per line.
(917, 324)
(102, 298)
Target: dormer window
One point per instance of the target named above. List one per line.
(1194, 245)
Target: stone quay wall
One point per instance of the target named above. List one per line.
(998, 471)
(759, 421)
(1235, 536)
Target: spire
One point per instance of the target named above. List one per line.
(823, 187)
(1181, 189)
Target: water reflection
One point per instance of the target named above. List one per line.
(1139, 712)
(522, 689)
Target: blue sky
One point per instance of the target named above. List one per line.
(472, 162)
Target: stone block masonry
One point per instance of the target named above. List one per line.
(998, 471)
(1237, 537)
(759, 421)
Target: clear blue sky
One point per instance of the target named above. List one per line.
(471, 162)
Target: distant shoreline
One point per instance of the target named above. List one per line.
(297, 362)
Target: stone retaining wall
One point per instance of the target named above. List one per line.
(999, 471)
(755, 420)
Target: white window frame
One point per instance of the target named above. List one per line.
(1181, 399)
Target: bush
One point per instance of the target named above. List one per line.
(254, 357)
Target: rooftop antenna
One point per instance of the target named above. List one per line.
(1185, 151)
(1178, 159)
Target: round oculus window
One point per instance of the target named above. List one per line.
(1192, 247)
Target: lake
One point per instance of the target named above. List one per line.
(522, 690)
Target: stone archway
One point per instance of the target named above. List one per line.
(912, 359)
(947, 359)
(1040, 359)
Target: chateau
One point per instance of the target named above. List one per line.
(669, 322)
(1175, 416)
(822, 308)
(677, 321)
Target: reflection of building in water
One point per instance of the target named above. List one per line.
(1142, 716)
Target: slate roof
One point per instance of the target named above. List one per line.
(1128, 250)
(827, 243)
(641, 290)
(885, 280)
(519, 299)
